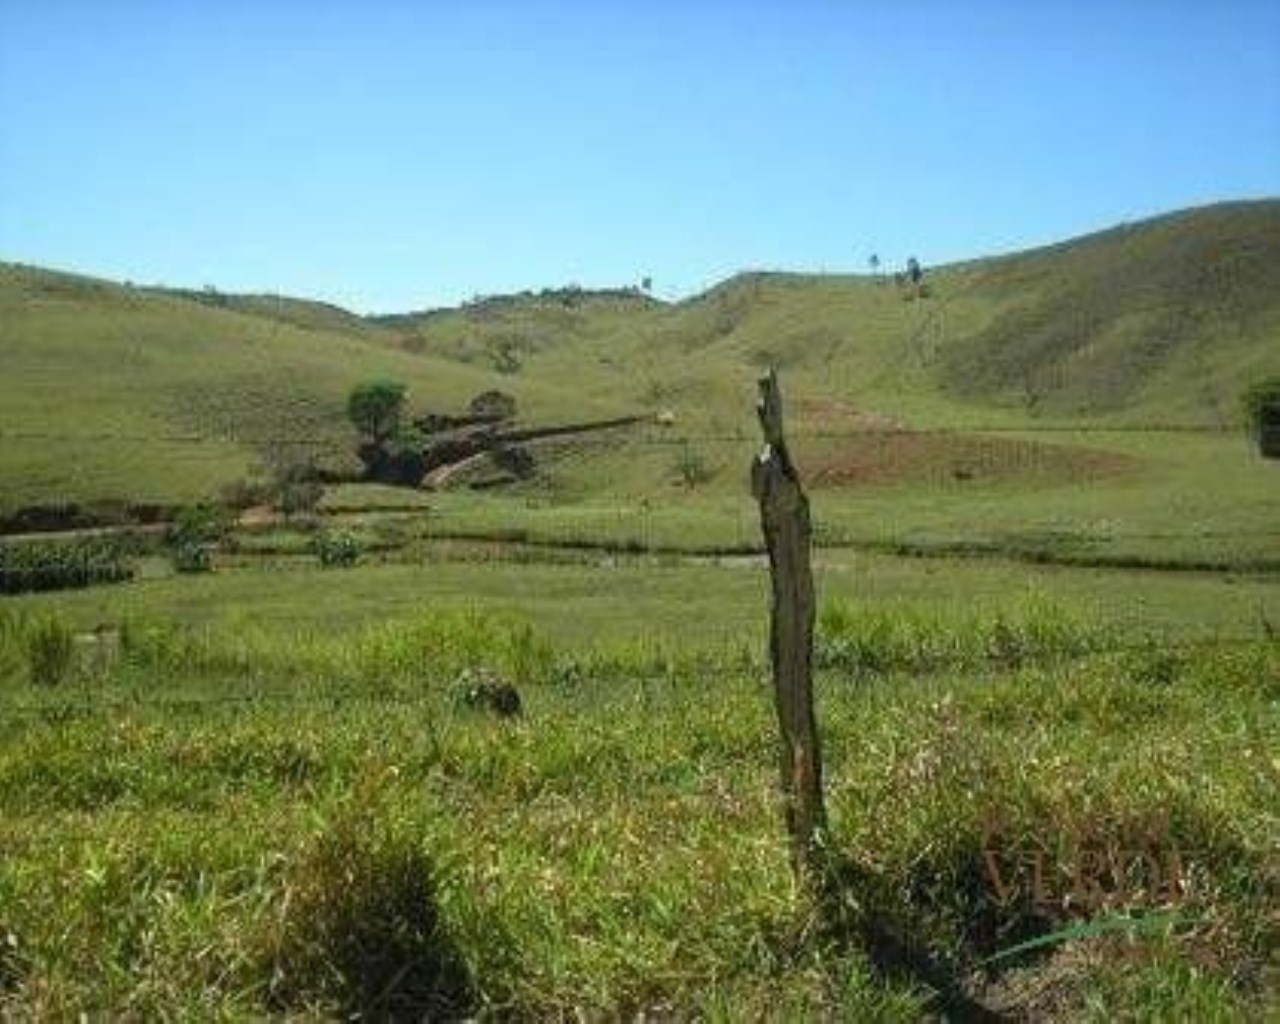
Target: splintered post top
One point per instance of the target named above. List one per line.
(769, 408)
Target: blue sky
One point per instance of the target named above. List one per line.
(389, 154)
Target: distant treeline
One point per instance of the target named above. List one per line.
(569, 295)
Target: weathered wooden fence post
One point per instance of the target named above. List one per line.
(784, 518)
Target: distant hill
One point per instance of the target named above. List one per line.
(1170, 315)
(109, 391)
(1161, 321)
(308, 314)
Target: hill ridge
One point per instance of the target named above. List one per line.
(1158, 321)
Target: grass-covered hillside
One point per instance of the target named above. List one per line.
(1160, 322)
(103, 387)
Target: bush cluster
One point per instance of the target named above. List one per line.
(1261, 402)
(336, 549)
(61, 564)
(195, 533)
(42, 648)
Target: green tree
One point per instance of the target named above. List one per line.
(375, 407)
(1261, 404)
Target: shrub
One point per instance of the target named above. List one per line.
(50, 650)
(483, 690)
(194, 534)
(204, 523)
(192, 556)
(293, 479)
(1261, 404)
(493, 404)
(359, 929)
(297, 496)
(375, 408)
(692, 467)
(336, 548)
(61, 564)
(1261, 400)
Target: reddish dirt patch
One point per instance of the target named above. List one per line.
(259, 515)
(818, 414)
(887, 457)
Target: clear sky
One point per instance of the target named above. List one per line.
(390, 154)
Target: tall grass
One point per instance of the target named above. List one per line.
(39, 648)
(61, 564)
(874, 640)
(360, 846)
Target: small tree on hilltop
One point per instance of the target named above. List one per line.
(915, 277)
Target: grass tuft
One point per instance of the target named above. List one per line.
(357, 929)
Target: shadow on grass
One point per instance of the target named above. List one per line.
(359, 932)
(856, 917)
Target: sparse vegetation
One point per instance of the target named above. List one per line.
(336, 548)
(293, 484)
(50, 649)
(692, 467)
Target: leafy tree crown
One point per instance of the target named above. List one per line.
(1262, 400)
(375, 407)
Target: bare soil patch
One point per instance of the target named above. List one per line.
(881, 457)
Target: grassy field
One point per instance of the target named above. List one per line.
(1175, 499)
(224, 824)
(584, 598)
(1048, 666)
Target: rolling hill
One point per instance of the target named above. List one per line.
(109, 390)
(1161, 321)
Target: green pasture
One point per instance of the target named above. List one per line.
(597, 597)
(232, 823)
(1175, 499)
